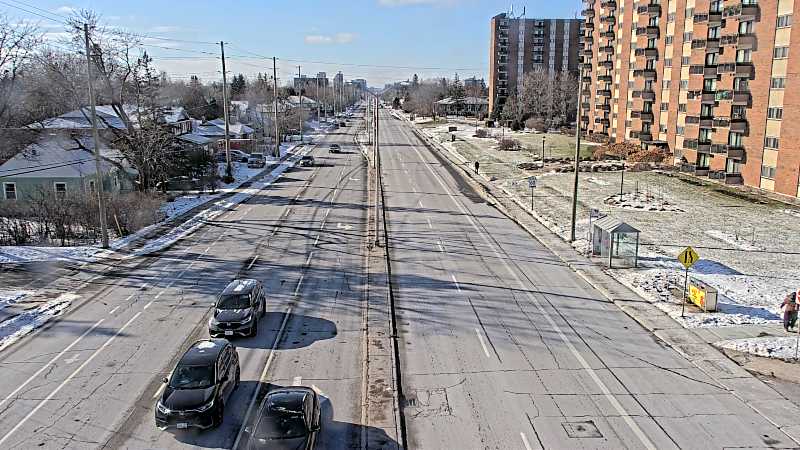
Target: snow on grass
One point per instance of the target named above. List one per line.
(13, 329)
(780, 347)
(731, 239)
(639, 201)
(598, 181)
(8, 298)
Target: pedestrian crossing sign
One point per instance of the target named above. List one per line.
(688, 257)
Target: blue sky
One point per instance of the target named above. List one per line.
(430, 37)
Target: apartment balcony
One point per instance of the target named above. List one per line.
(647, 74)
(744, 69)
(717, 149)
(742, 98)
(710, 72)
(645, 136)
(652, 31)
(602, 120)
(738, 125)
(692, 120)
(609, 4)
(653, 9)
(646, 52)
(588, 66)
(648, 95)
(604, 78)
(585, 106)
(708, 97)
(727, 178)
(704, 147)
(749, 11)
(607, 64)
(603, 107)
(721, 122)
(609, 35)
(712, 44)
(697, 69)
(714, 17)
(588, 12)
(607, 49)
(736, 152)
(586, 79)
(726, 68)
(589, 25)
(645, 116)
(588, 53)
(588, 40)
(604, 92)
(729, 39)
(747, 42)
(698, 43)
(706, 121)
(608, 19)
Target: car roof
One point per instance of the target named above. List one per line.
(203, 352)
(289, 399)
(240, 286)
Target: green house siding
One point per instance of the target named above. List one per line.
(113, 183)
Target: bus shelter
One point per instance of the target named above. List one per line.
(617, 241)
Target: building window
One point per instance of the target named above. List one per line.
(733, 166)
(775, 113)
(687, 37)
(662, 128)
(61, 189)
(684, 60)
(780, 52)
(668, 63)
(711, 59)
(771, 142)
(767, 172)
(744, 56)
(665, 84)
(682, 107)
(689, 13)
(665, 107)
(629, 105)
(679, 130)
(741, 84)
(10, 191)
(784, 21)
(746, 27)
(684, 85)
(777, 83)
(671, 17)
(703, 161)
(735, 139)
(668, 40)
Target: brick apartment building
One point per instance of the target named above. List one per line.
(714, 81)
(520, 45)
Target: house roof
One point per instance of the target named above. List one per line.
(233, 128)
(295, 100)
(175, 114)
(107, 118)
(467, 101)
(614, 225)
(56, 155)
(195, 138)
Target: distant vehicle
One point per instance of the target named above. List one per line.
(256, 160)
(200, 384)
(289, 418)
(334, 148)
(236, 156)
(343, 123)
(182, 183)
(238, 309)
(307, 161)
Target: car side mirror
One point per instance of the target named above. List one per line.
(165, 380)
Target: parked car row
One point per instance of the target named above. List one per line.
(208, 373)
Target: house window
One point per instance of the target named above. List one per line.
(10, 191)
(771, 142)
(778, 83)
(679, 130)
(784, 21)
(61, 189)
(775, 113)
(682, 107)
(768, 172)
(744, 56)
(780, 52)
(687, 37)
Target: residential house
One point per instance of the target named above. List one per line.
(63, 163)
(469, 106)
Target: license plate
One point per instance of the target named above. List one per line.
(228, 333)
(182, 425)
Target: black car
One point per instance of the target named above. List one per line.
(201, 383)
(307, 161)
(289, 419)
(334, 148)
(238, 309)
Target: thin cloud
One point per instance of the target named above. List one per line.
(65, 10)
(324, 39)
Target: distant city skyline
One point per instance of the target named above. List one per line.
(379, 40)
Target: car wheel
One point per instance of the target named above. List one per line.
(237, 378)
(254, 328)
(219, 415)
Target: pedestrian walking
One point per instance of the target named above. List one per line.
(477, 166)
(789, 307)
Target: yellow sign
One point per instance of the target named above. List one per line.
(697, 296)
(688, 257)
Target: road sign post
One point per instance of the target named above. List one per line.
(687, 257)
(532, 185)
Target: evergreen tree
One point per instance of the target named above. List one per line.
(415, 81)
(238, 86)
(457, 93)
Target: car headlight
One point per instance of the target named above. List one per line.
(213, 321)
(206, 407)
(248, 318)
(162, 409)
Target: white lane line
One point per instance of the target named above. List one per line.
(144, 286)
(50, 363)
(148, 304)
(316, 240)
(49, 397)
(578, 356)
(308, 260)
(262, 380)
(255, 257)
(483, 344)
(206, 250)
(111, 313)
(299, 283)
(439, 244)
(414, 189)
(455, 282)
(297, 381)
(160, 390)
(420, 204)
(429, 223)
(525, 441)
(245, 213)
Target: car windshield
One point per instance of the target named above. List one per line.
(233, 301)
(256, 155)
(192, 377)
(281, 425)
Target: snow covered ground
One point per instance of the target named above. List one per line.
(182, 204)
(14, 328)
(781, 347)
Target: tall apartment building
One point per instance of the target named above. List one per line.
(711, 80)
(520, 45)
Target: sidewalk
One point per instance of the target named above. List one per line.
(693, 345)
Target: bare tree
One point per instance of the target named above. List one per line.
(17, 43)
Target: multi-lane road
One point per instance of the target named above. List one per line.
(501, 346)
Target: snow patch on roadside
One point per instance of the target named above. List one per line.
(8, 298)
(779, 347)
(26, 322)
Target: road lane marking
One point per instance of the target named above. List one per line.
(263, 378)
(249, 266)
(111, 313)
(316, 240)
(439, 243)
(68, 379)
(206, 250)
(74, 359)
(455, 282)
(420, 204)
(525, 441)
(592, 373)
(159, 390)
(297, 381)
(299, 282)
(483, 344)
(429, 223)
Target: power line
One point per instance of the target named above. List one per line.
(49, 13)
(31, 12)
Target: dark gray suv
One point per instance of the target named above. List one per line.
(238, 309)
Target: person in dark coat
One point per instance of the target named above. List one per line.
(789, 307)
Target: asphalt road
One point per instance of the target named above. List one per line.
(504, 347)
(92, 377)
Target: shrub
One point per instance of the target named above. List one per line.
(481, 133)
(536, 124)
(508, 145)
(516, 125)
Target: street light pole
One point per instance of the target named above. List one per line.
(577, 160)
(228, 168)
(300, 109)
(98, 171)
(275, 95)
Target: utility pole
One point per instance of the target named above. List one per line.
(275, 94)
(300, 109)
(228, 168)
(377, 173)
(319, 116)
(577, 158)
(98, 171)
